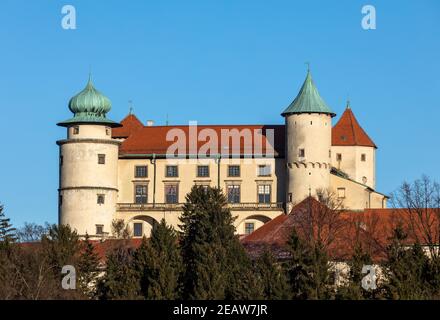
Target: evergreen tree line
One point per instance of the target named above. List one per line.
(205, 260)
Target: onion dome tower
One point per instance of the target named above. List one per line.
(88, 165)
(308, 143)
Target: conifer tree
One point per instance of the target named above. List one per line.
(405, 269)
(120, 280)
(274, 280)
(7, 232)
(209, 246)
(88, 266)
(352, 290)
(308, 270)
(158, 264)
(61, 246)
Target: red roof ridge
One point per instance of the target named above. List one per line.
(348, 132)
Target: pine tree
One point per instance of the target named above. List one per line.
(88, 266)
(405, 269)
(61, 245)
(274, 280)
(7, 232)
(353, 290)
(209, 246)
(308, 270)
(158, 264)
(120, 280)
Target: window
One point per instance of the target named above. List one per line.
(202, 171)
(101, 158)
(363, 157)
(290, 197)
(338, 157)
(329, 153)
(264, 170)
(107, 131)
(61, 160)
(171, 171)
(249, 227)
(264, 193)
(60, 200)
(100, 199)
(140, 171)
(140, 194)
(137, 229)
(171, 193)
(234, 194)
(341, 192)
(99, 229)
(302, 153)
(75, 130)
(233, 171)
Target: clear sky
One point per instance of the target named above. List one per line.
(217, 62)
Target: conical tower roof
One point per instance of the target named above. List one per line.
(308, 100)
(348, 132)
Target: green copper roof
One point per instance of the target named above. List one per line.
(89, 106)
(308, 100)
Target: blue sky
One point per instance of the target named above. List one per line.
(234, 61)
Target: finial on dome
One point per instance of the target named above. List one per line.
(348, 102)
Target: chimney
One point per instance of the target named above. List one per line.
(150, 123)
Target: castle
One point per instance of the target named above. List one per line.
(139, 173)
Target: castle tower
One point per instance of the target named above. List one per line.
(308, 143)
(88, 165)
(353, 151)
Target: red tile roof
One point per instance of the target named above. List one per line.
(348, 132)
(371, 227)
(130, 124)
(153, 140)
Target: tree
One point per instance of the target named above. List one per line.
(308, 270)
(158, 264)
(405, 269)
(352, 290)
(210, 249)
(32, 232)
(420, 202)
(7, 232)
(120, 280)
(88, 267)
(61, 245)
(273, 278)
(120, 229)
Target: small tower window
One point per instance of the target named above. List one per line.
(99, 229)
(101, 158)
(302, 153)
(107, 131)
(363, 157)
(61, 160)
(311, 122)
(329, 153)
(338, 157)
(341, 193)
(100, 199)
(76, 130)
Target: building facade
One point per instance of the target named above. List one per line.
(141, 173)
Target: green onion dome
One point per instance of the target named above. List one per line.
(89, 106)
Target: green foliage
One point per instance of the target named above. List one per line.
(61, 245)
(7, 232)
(308, 270)
(120, 280)
(214, 261)
(88, 268)
(406, 269)
(273, 277)
(158, 264)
